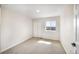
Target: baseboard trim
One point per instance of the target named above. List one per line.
(15, 44)
(47, 38)
(63, 47)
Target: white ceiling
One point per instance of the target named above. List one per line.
(46, 10)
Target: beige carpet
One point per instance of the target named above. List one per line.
(37, 46)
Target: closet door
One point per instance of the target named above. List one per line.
(77, 29)
(0, 27)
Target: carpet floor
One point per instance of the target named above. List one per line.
(37, 46)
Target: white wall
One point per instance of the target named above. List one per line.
(16, 28)
(67, 28)
(39, 28)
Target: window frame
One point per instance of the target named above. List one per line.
(50, 25)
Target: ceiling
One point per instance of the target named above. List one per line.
(46, 10)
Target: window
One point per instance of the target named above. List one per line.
(50, 25)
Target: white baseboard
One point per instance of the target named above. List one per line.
(26, 38)
(63, 47)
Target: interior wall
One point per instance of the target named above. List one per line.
(39, 28)
(67, 28)
(15, 28)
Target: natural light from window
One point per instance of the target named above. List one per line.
(44, 42)
(50, 25)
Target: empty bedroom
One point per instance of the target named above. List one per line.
(37, 29)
